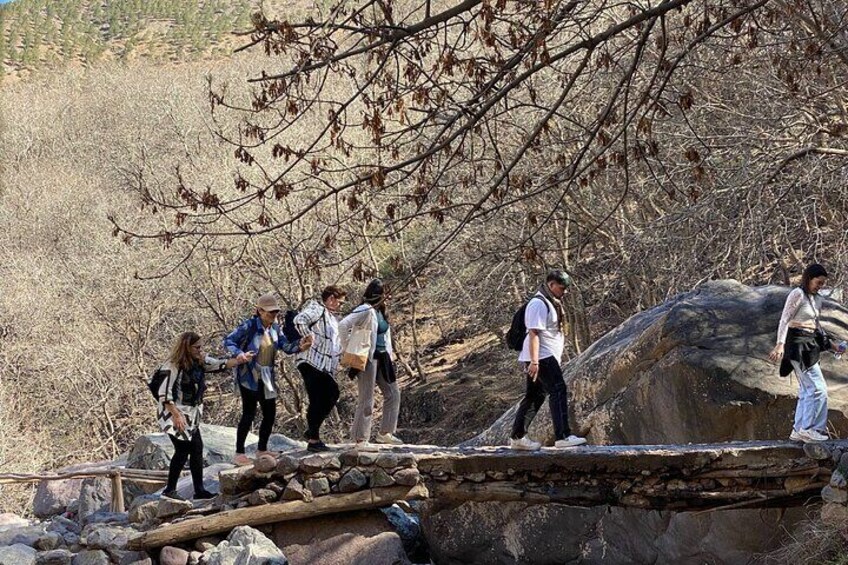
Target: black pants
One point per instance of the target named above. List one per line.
(549, 382)
(249, 400)
(323, 393)
(191, 451)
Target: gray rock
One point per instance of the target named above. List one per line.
(352, 481)
(24, 536)
(245, 546)
(173, 556)
(168, 508)
(692, 369)
(53, 497)
(194, 557)
(207, 543)
(131, 557)
(154, 451)
(95, 496)
(54, 557)
(49, 541)
(286, 464)
(277, 486)
(63, 525)
(9, 521)
(101, 536)
(834, 495)
(238, 480)
(380, 478)
(91, 557)
(407, 527)
(144, 508)
(368, 458)
(318, 487)
(312, 464)
(106, 517)
(262, 496)
(71, 539)
(17, 554)
(387, 460)
(265, 464)
(296, 491)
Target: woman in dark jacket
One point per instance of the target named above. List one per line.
(180, 399)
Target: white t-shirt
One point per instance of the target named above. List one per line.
(543, 317)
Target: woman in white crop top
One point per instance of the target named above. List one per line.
(798, 350)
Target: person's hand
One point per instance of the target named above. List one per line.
(533, 370)
(776, 354)
(179, 420)
(246, 357)
(306, 343)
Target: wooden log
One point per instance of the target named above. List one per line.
(117, 492)
(128, 474)
(776, 472)
(271, 513)
(504, 491)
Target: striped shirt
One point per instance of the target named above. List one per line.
(324, 354)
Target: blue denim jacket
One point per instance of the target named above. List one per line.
(236, 340)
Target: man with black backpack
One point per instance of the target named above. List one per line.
(319, 363)
(541, 351)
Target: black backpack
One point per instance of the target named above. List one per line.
(517, 330)
(156, 379)
(290, 330)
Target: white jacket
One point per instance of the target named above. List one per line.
(364, 316)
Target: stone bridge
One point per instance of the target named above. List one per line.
(702, 478)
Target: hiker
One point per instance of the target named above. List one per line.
(257, 382)
(800, 341)
(379, 368)
(540, 356)
(318, 364)
(180, 399)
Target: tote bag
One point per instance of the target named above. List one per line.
(355, 355)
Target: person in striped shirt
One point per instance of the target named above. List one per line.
(318, 364)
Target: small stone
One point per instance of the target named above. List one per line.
(70, 538)
(265, 464)
(144, 512)
(168, 508)
(296, 491)
(173, 556)
(333, 476)
(286, 464)
(238, 480)
(476, 477)
(54, 557)
(406, 460)
(207, 543)
(353, 481)
(49, 541)
(318, 487)
(407, 477)
(276, 486)
(387, 460)
(131, 558)
(312, 464)
(380, 478)
(349, 458)
(817, 451)
(497, 475)
(61, 525)
(102, 536)
(333, 463)
(262, 496)
(367, 458)
(836, 496)
(194, 557)
(91, 557)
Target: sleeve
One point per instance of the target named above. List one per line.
(286, 346)
(236, 337)
(213, 365)
(536, 315)
(793, 301)
(166, 388)
(307, 317)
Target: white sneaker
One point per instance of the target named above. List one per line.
(388, 439)
(524, 444)
(795, 436)
(812, 436)
(570, 441)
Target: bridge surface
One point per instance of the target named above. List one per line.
(694, 477)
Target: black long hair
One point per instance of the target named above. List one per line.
(812, 271)
(375, 294)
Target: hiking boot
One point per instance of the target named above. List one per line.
(317, 446)
(812, 436)
(241, 460)
(795, 436)
(524, 444)
(388, 439)
(172, 494)
(203, 494)
(570, 441)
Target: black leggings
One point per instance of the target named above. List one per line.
(323, 393)
(191, 451)
(249, 399)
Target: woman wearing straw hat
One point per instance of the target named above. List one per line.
(257, 381)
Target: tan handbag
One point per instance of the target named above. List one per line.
(355, 355)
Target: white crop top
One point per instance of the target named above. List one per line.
(798, 308)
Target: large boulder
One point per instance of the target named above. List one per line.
(353, 538)
(154, 451)
(496, 532)
(693, 369)
(17, 554)
(54, 497)
(245, 546)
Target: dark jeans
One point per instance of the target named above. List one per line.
(249, 400)
(323, 393)
(191, 451)
(549, 382)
